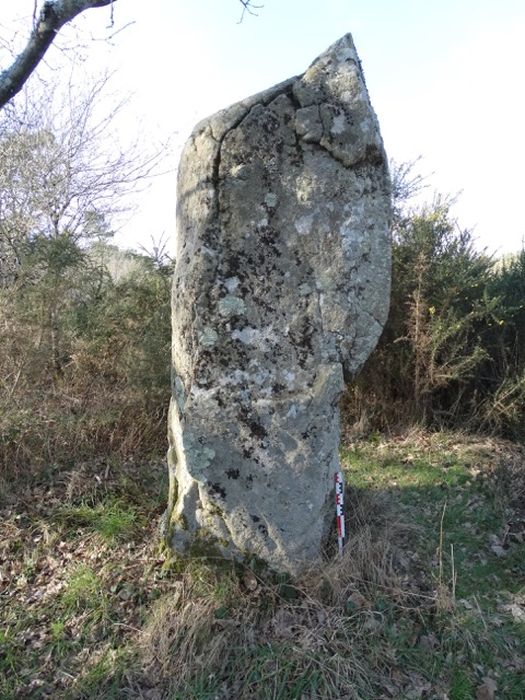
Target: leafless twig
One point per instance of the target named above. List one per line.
(111, 17)
(248, 6)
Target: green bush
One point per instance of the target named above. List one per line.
(453, 350)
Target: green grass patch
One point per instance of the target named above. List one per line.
(112, 519)
(103, 678)
(83, 591)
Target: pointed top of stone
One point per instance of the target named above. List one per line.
(334, 85)
(340, 51)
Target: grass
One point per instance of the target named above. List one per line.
(113, 519)
(83, 591)
(427, 602)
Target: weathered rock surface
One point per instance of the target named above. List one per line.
(281, 287)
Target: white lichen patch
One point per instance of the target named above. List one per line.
(303, 224)
(208, 337)
(339, 125)
(261, 338)
(292, 411)
(271, 199)
(288, 376)
(304, 187)
(246, 335)
(231, 284)
(239, 376)
(231, 306)
(304, 289)
(237, 170)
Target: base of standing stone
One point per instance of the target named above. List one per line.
(239, 517)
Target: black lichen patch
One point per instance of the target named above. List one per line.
(218, 490)
(302, 337)
(255, 427)
(374, 155)
(270, 123)
(233, 473)
(269, 236)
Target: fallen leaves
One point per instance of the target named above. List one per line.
(356, 601)
(515, 610)
(487, 690)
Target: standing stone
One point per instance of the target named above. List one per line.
(281, 287)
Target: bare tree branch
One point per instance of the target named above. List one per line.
(248, 6)
(52, 17)
(64, 173)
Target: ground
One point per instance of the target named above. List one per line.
(428, 600)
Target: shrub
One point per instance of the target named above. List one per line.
(453, 350)
(85, 364)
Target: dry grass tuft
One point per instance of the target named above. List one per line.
(366, 566)
(185, 637)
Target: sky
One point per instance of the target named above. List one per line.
(445, 79)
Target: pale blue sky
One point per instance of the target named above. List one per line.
(445, 78)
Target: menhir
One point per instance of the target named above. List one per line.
(281, 288)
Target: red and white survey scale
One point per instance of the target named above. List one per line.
(339, 510)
